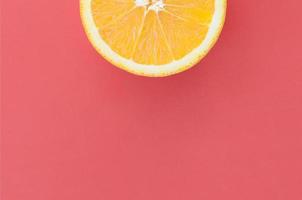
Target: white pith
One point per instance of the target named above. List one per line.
(155, 5)
(154, 70)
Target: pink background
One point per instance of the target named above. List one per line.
(74, 127)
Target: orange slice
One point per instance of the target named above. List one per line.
(153, 37)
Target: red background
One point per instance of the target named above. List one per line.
(75, 127)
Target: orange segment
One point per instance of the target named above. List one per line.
(152, 45)
(191, 3)
(183, 36)
(199, 11)
(105, 12)
(122, 34)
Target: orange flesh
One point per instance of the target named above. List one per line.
(149, 37)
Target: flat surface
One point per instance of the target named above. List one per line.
(74, 127)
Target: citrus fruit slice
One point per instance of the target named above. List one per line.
(153, 37)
